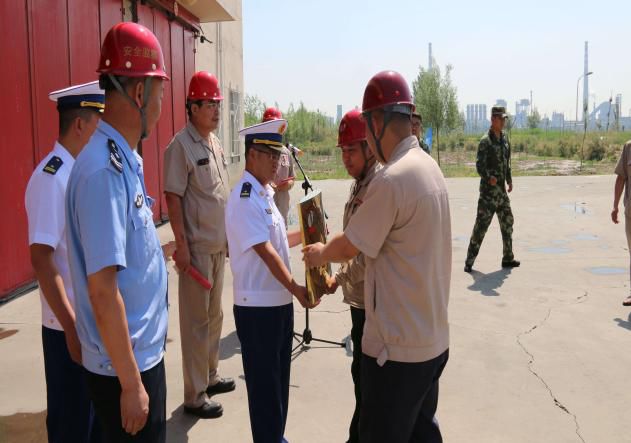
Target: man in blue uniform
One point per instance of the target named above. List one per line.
(69, 416)
(117, 268)
(262, 282)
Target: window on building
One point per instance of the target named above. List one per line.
(235, 124)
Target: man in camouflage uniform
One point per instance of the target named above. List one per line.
(493, 165)
(417, 130)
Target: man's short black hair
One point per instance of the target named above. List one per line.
(106, 84)
(68, 116)
(189, 104)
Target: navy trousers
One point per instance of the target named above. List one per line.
(358, 318)
(266, 335)
(105, 393)
(70, 415)
(399, 401)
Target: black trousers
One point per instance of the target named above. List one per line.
(70, 415)
(265, 334)
(105, 393)
(358, 318)
(399, 401)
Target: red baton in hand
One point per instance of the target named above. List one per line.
(197, 276)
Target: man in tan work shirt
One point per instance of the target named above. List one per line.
(196, 187)
(284, 179)
(361, 165)
(403, 229)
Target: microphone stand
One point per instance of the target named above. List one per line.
(306, 337)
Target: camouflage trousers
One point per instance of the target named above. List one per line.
(489, 204)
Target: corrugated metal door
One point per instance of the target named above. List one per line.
(16, 146)
(178, 46)
(52, 45)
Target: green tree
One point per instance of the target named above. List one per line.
(534, 119)
(253, 110)
(303, 125)
(437, 100)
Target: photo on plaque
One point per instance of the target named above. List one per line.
(313, 230)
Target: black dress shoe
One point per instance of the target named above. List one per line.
(224, 385)
(510, 264)
(211, 409)
(468, 268)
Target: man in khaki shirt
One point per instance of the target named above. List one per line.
(196, 187)
(403, 229)
(361, 165)
(284, 178)
(623, 183)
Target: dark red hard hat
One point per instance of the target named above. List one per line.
(131, 50)
(272, 114)
(352, 128)
(204, 86)
(387, 88)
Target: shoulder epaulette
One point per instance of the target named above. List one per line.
(115, 157)
(246, 190)
(53, 165)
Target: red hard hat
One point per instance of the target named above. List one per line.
(352, 128)
(272, 114)
(131, 50)
(387, 88)
(204, 86)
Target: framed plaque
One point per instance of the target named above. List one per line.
(313, 229)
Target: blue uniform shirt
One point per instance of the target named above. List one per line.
(109, 223)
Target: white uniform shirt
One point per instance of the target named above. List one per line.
(253, 218)
(45, 208)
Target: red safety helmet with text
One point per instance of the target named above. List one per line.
(388, 89)
(131, 50)
(352, 129)
(272, 114)
(204, 86)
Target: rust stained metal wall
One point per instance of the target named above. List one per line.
(52, 45)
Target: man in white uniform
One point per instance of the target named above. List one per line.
(263, 285)
(69, 412)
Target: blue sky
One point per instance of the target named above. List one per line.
(323, 52)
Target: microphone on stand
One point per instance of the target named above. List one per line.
(294, 149)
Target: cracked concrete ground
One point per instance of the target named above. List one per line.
(538, 353)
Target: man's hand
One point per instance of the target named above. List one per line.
(168, 249)
(492, 181)
(510, 187)
(331, 284)
(284, 185)
(300, 292)
(73, 344)
(134, 408)
(614, 216)
(312, 255)
(182, 259)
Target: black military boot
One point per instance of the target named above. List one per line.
(510, 264)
